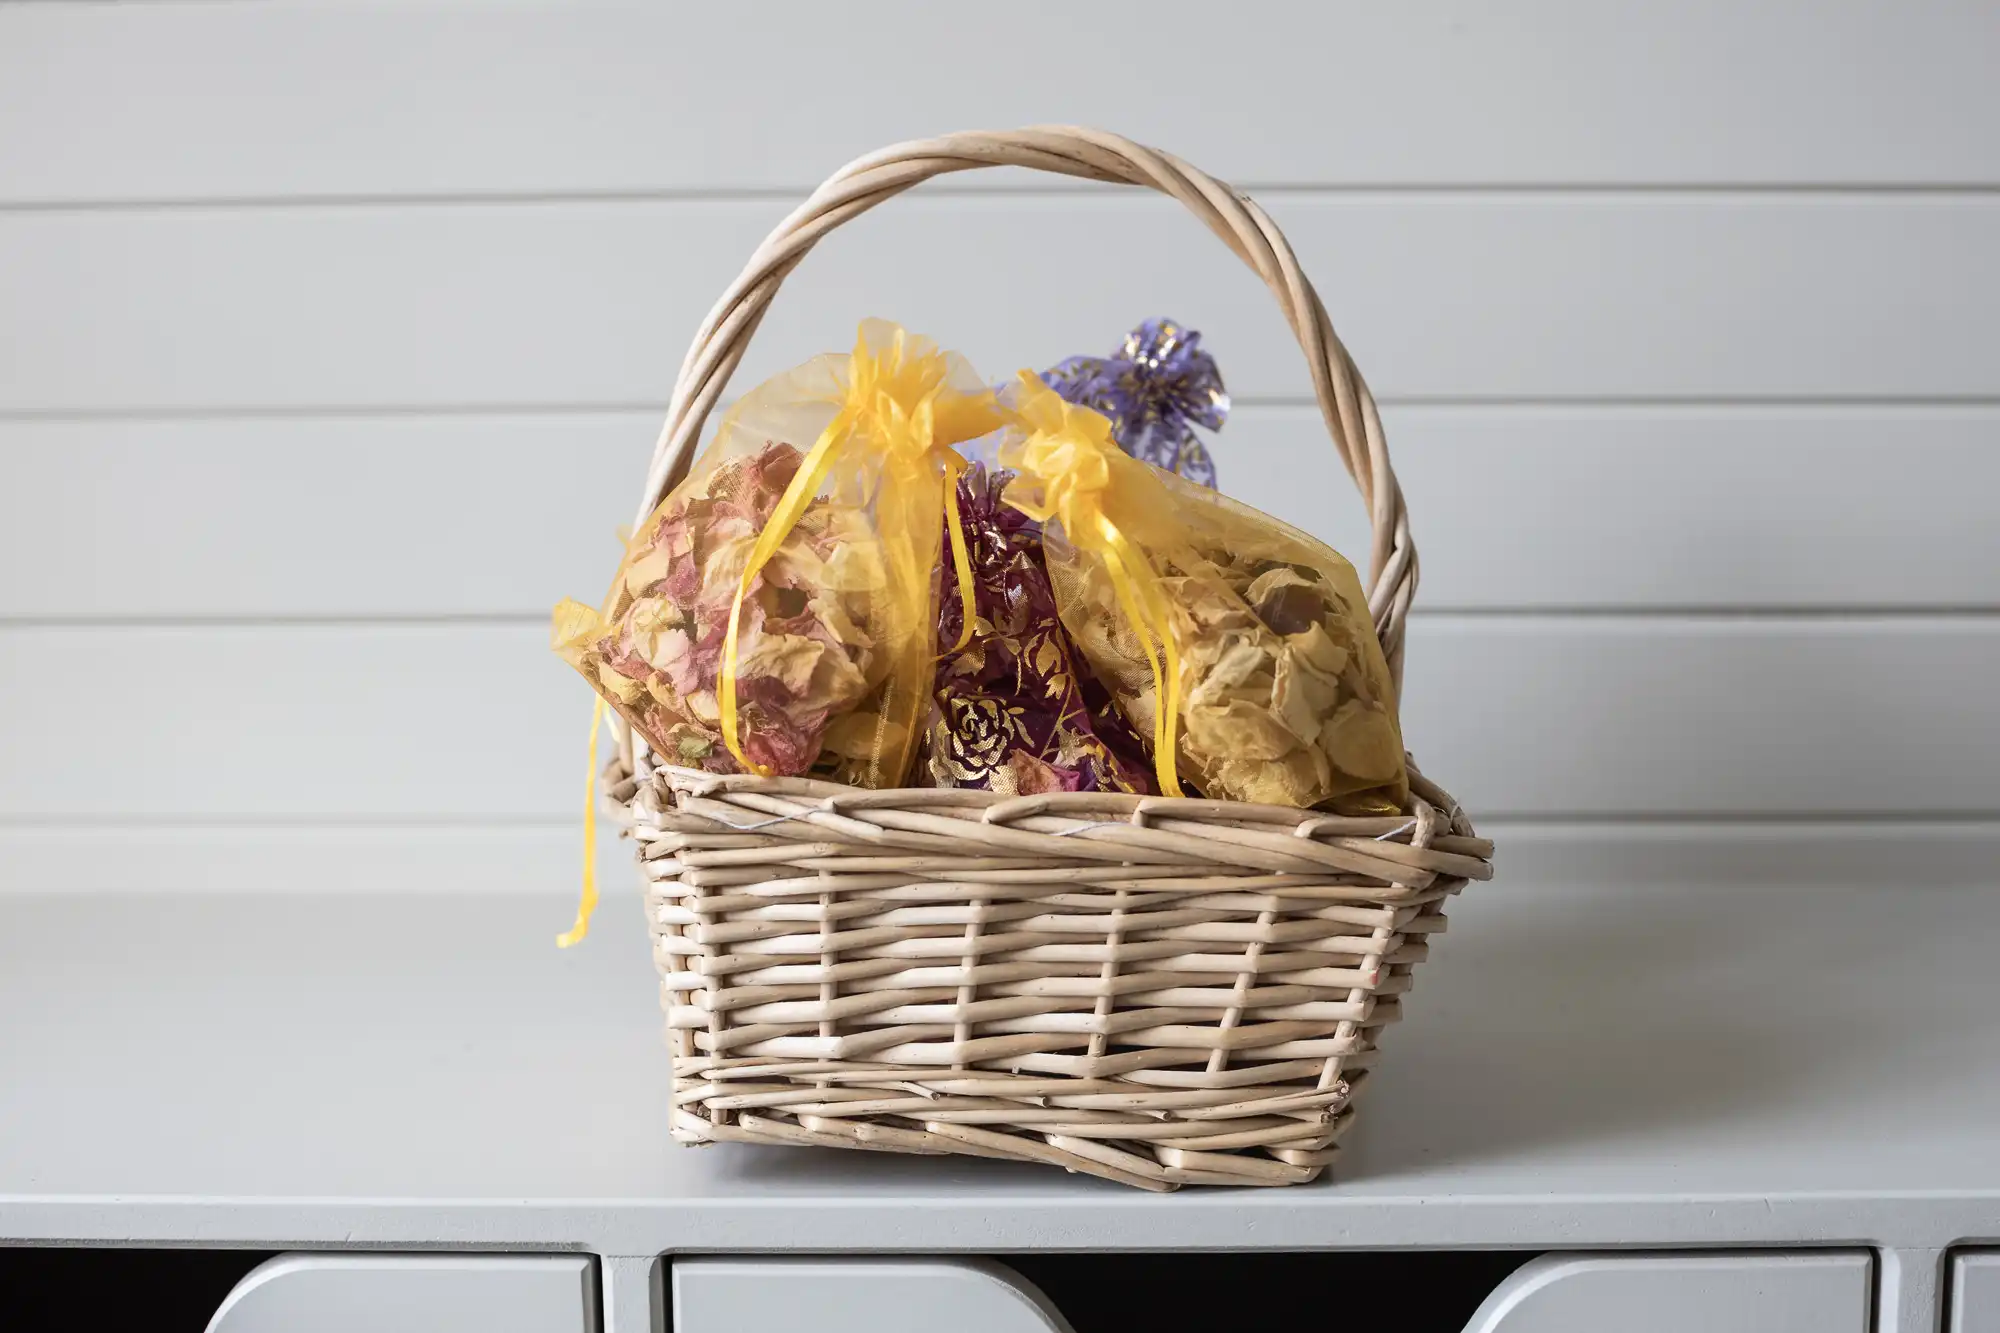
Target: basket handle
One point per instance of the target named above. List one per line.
(1344, 400)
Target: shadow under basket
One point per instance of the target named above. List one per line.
(1159, 991)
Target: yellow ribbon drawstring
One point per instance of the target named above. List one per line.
(1069, 462)
(898, 400)
(791, 507)
(587, 902)
(1147, 611)
(961, 555)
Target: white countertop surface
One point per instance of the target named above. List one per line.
(1689, 1066)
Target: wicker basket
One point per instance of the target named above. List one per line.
(1158, 991)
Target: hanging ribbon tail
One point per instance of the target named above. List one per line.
(1169, 768)
(725, 692)
(587, 901)
(961, 556)
(1145, 609)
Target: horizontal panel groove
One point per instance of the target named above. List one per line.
(519, 98)
(387, 411)
(1697, 823)
(1845, 193)
(225, 412)
(1600, 509)
(1478, 300)
(280, 620)
(1537, 716)
(301, 823)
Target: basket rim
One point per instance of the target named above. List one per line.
(1406, 853)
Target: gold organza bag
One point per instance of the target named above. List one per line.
(1241, 645)
(775, 613)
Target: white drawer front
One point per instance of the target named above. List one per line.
(1975, 1292)
(365, 1293)
(856, 1296)
(1719, 1293)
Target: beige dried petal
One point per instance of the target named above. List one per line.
(1301, 697)
(1099, 640)
(1271, 580)
(722, 572)
(650, 615)
(1209, 602)
(647, 570)
(1323, 772)
(665, 650)
(844, 619)
(1238, 729)
(856, 567)
(1287, 602)
(1361, 739)
(1317, 649)
(790, 659)
(1242, 658)
(796, 565)
(622, 688)
(1290, 780)
(861, 734)
(837, 683)
(1200, 648)
(685, 744)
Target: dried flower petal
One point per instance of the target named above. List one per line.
(1361, 739)
(1238, 729)
(1301, 697)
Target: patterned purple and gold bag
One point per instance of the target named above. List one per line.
(1015, 710)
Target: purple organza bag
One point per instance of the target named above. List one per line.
(1155, 390)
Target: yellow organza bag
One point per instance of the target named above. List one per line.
(776, 612)
(1241, 645)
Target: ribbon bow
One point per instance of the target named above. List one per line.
(891, 437)
(1154, 390)
(1070, 470)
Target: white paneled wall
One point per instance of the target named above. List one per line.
(333, 338)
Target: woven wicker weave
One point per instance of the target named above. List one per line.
(1157, 991)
